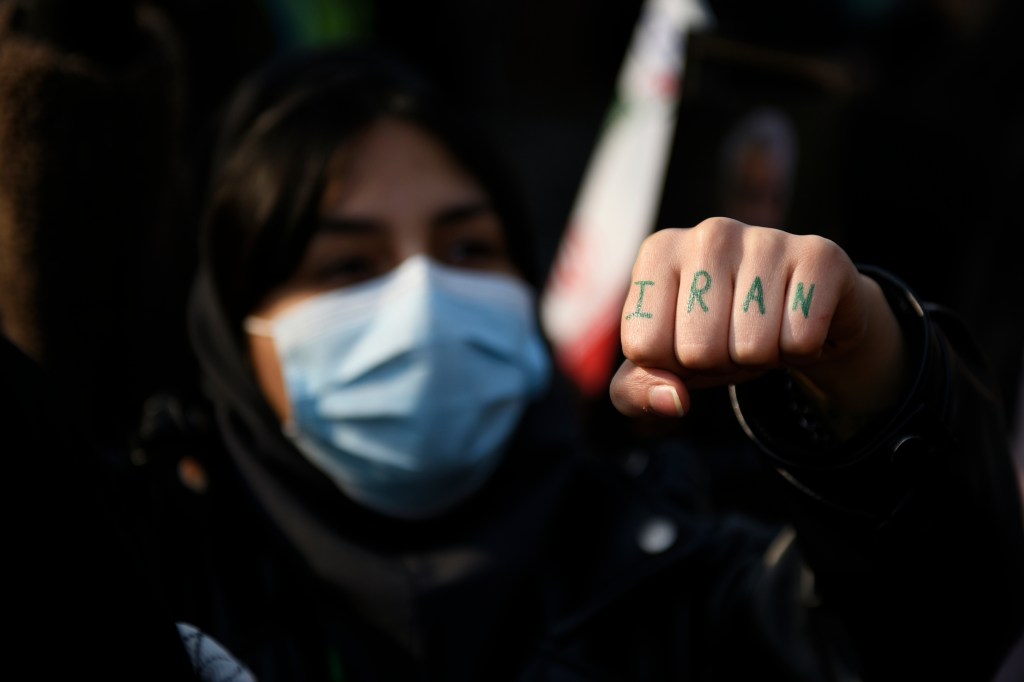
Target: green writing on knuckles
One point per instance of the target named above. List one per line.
(701, 285)
(697, 294)
(804, 302)
(756, 293)
(643, 284)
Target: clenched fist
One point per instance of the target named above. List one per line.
(723, 302)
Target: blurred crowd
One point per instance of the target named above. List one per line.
(900, 118)
(893, 127)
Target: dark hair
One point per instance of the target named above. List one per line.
(279, 133)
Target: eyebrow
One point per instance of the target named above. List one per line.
(448, 217)
(460, 212)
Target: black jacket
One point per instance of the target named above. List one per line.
(901, 559)
(79, 599)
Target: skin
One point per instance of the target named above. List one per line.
(705, 327)
(393, 192)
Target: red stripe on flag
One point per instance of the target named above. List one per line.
(589, 362)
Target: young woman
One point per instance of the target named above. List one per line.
(393, 486)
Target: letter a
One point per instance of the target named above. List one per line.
(756, 293)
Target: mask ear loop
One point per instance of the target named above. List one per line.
(257, 326)
(263, 328)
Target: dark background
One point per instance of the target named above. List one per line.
(908, 113)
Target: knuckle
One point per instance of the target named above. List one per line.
(642, 355)
(638, 348)
(751, 353)
(659, 242)
(717, 224)
(701, 355)
(824, 249)
(802, 345)
(712, 234)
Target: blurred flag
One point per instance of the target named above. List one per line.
(619, 196)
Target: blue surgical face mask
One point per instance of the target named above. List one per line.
(406, 389)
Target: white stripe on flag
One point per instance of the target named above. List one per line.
(619, 196)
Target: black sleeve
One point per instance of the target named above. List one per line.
(915, 529)
(79, 603)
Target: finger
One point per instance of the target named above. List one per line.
(822, 277)
(637, 392)
(759, 299)
(648, 314)
(707, 263)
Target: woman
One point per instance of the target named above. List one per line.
(394, 488)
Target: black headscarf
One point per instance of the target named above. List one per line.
(280, 131)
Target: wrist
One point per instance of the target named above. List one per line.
(870, 378)
(868, 472)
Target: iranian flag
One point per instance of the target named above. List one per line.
(619, 196)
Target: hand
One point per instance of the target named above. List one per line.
(723, 302)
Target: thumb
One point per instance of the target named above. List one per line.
(637, 392)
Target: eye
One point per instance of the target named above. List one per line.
(475, 251)
(472, 239)
(344, 271)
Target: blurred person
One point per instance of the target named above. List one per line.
(757, 167)
(81, 601)
(94, 264)
(393, 484)
(104, 113)
(933, 150)
(93, 248)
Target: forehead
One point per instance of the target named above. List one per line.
(395, 163)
